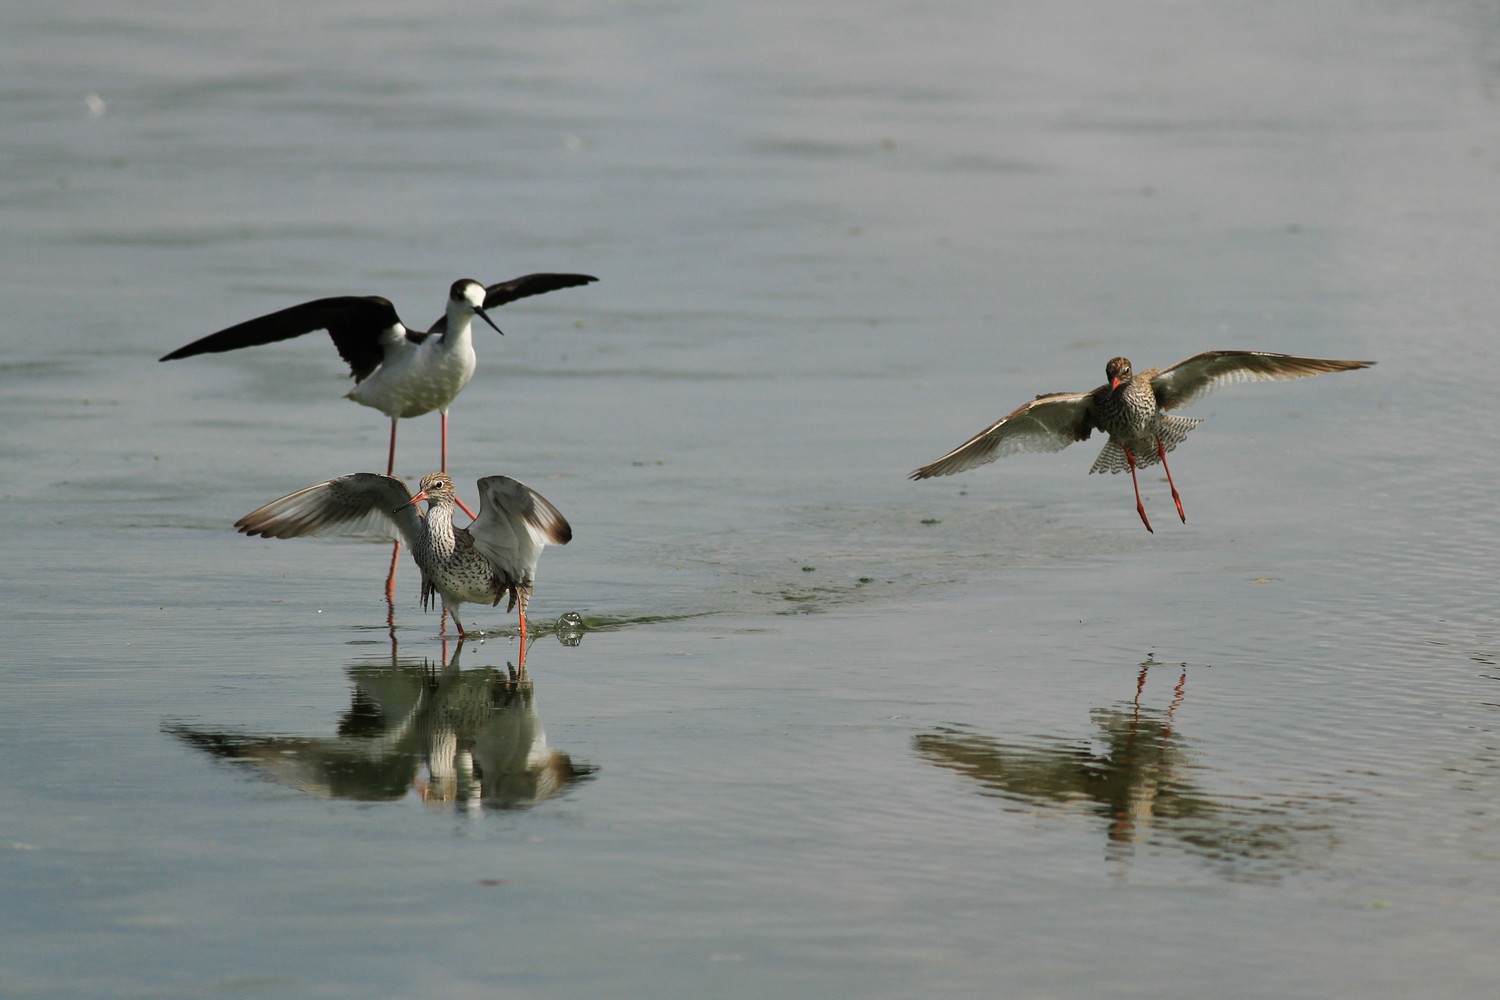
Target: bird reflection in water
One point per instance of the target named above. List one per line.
(471, 738)
(1136, 775)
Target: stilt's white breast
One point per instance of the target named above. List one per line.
(418, 378)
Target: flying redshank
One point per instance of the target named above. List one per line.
(494, 557)
(1131, 409)
(396, 370)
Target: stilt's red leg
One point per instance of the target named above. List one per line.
(1140, 508)
(390, 578)
(390, 458)
(462, 506)
(1162, 454)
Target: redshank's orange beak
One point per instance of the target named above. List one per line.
(421, 495)
(1114, 383)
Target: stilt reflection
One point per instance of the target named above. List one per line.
(471, 738)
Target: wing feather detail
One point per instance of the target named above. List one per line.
(1199, 375)
(514, 524)
(350, 320)
(1050, 422)
(361, 503)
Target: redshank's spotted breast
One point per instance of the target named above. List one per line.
(494, 557)
(399, 371)
(1131, 409)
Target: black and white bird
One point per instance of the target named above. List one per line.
(494, 557)
(399, 371)
(1131, 409)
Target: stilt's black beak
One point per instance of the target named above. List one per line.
(486, 317)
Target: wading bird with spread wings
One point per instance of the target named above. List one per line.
(399, 371)
(494, 557)
(1131, 409)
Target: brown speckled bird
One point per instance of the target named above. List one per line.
(1131, 409)
(494, 557)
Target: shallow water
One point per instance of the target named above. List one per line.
(825, 731)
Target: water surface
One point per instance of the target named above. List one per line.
(826, 731)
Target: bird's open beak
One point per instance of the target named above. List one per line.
(486, 317)
(421, 495)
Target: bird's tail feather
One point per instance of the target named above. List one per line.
(1173, 431)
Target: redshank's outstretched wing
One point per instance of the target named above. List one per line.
(1047, 423)
(364, 502)
(514, 524)
(520, 288)
(355, 322)
(1202, 373)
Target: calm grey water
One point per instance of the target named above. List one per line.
(827, 732)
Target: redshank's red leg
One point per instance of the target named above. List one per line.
(522, 617)
(1162, 453)
(457, 624)
(444, 414)
(1140, 508)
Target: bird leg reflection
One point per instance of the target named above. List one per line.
(390, 579)
(1179, 691)
(390, 615)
